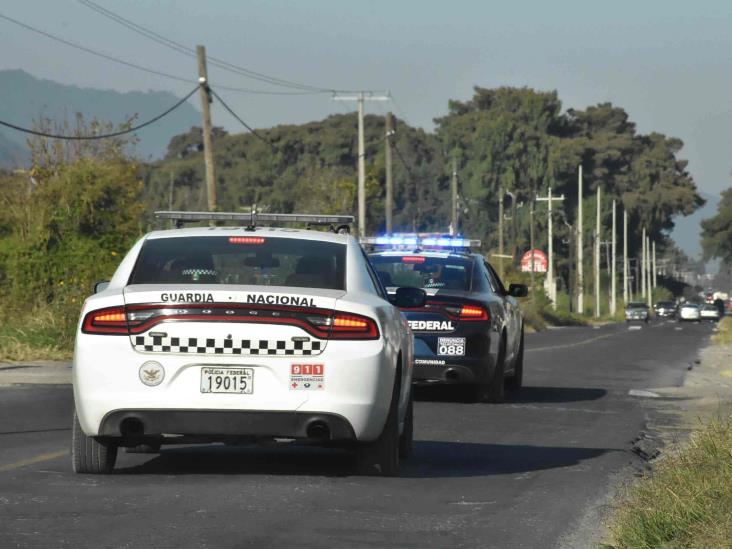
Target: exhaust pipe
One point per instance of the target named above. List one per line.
(318, 429)
(131, 426)
(452, 375)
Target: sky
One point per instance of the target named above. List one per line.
(666, 62)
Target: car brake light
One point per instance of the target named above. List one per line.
(473, 312)
(246, 240)
(111, 320)
(465, 312)
(413, 259)
(351, 326)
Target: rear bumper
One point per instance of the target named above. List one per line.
(144, 423)
(452, 372)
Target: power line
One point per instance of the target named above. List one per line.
(401, 158)
(103, 136)
(141, 67)
(181, 48)
(94, 52)
(247, 126)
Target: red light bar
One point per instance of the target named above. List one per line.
(413, 259)
(246, 240)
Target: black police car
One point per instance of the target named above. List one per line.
(470, 330)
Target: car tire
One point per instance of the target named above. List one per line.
(91, 455)
(148, 448)
(492, 391)
(381, 456)
(407, 436)
(514, 382)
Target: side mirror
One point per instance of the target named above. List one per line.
(518, 290)
(410, 298)
(101, 286)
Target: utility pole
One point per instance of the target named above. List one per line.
(531, 240)
(613, 288)
(654, 266)
(207, 141)
(170, 198)
(643, 264)
(551, 283)
(500, 231)
(580, 251)
(649, 291)
(626, 282)
(598, 243)
(454, 192)
(389, 200)
(360, 98)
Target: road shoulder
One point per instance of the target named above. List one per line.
(38, 372)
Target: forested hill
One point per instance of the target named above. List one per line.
(26, 99)
(515, 138)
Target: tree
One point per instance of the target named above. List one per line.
(716, 237)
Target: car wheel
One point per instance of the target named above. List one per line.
(407, 436)
(514, 382)
(149, 448)
(493, 390)
(91, 454)
(381, 457)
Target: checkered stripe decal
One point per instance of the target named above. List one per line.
(215, 346)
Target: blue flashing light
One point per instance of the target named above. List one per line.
(396, 240)
(443, 242)
(383, 240)
(410, 241)
(457, 242)
(429, 242)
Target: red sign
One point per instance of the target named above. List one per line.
(541, 263)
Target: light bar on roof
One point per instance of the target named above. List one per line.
(313, 219)
(411, 241)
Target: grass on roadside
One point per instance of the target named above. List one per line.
(686, 502)
(38, 336)
(724, 335)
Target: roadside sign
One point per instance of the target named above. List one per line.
(541, 262)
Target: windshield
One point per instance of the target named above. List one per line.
(241, 260)
(420, 271)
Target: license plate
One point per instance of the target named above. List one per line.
(227, 380)
(451, 346)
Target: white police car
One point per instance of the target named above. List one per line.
(232, 334)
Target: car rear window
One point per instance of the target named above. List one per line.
(419, 271)
(241, 259)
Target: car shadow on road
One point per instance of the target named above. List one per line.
(431, 459)
(457, 393)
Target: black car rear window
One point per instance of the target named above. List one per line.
(241, 259)
(420, 271)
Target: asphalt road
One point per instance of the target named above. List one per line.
(533, 472)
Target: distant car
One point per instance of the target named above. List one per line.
(709, 312)
(637, 312)
(689, 311)
(665, 309)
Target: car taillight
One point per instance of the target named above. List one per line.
(473, 312)
(111, 320)
(467, 312)
(351, 326)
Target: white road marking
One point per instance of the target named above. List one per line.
(643, 393)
